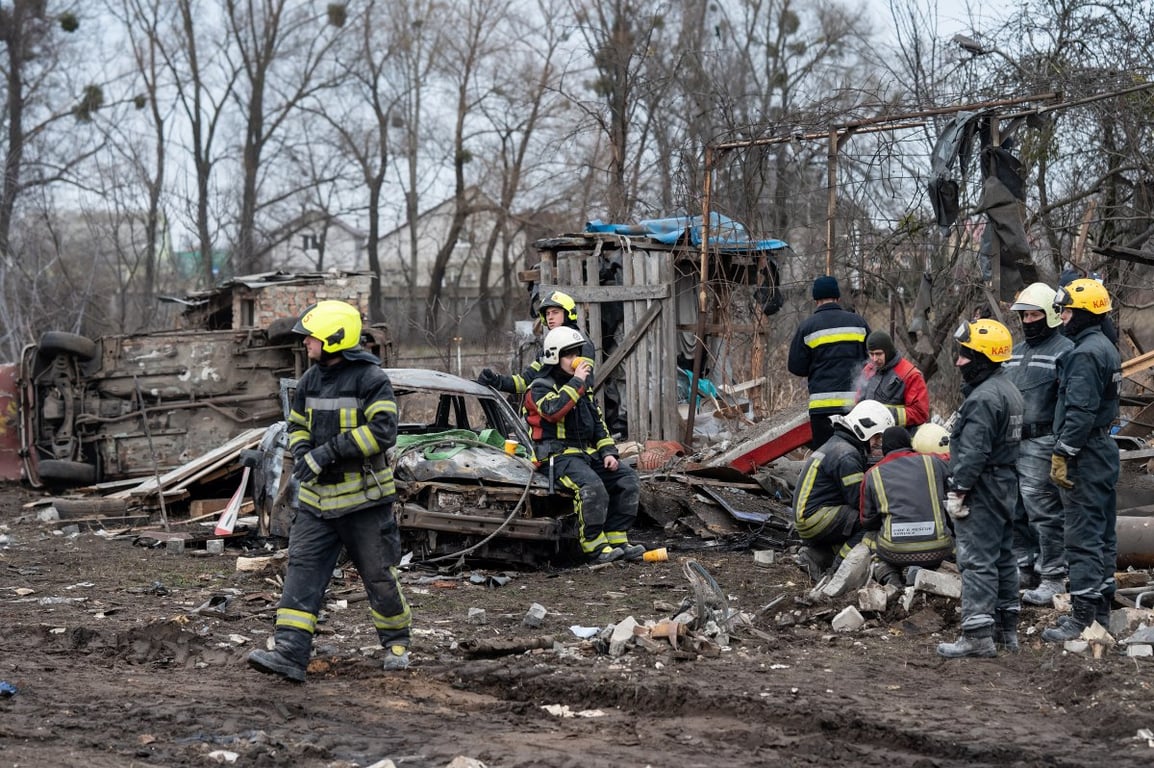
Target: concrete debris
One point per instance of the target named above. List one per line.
(460, 761)
(1139, 649)
(938, 583)
(850, 575)
(848, 620)
(1127, 621)
(535, 617)
(1143, 634)
(872, 597)
(621, 635)
(477, 616)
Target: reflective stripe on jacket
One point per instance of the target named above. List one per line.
(1034, 370)
(829, 349)
(564, 418)
(903, 497)
(830, 478)
(350, 407)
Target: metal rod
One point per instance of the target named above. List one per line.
(151, 450)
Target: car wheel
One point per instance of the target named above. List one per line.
(280, 331)
(57, 472)
(58, 342)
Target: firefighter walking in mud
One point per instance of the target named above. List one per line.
(1039, 546)
(983, 491)
(1085, 463)
(573, 445)
(343, 419)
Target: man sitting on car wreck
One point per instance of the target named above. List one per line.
(571, 442)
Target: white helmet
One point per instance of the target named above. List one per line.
(1038, 296)
(868, 418)
(559, 340)
(931, 438)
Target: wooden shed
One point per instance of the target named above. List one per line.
(637, 288)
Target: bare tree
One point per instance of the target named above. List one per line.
(282, 48)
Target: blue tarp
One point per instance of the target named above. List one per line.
(726, 233)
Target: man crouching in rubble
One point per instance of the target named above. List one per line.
(903, 505)
(342, 421)
(984, 490)
(572, 444)
(828, 493)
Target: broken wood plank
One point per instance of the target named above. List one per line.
(211, 460)
(1138, 364)
(635, 334)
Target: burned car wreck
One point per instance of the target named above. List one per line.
(133, 405)
(459, 493)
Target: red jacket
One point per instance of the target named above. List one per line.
(899, 386)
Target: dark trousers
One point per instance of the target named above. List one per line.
(985, 553)
(1091, 511)
(373, 541)
(822, 428)
(604, 501)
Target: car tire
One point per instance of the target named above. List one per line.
(61, 342)
(280, 331)
(57, 472)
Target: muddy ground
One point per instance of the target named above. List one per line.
(113, 665)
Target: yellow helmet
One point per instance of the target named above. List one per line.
(988, 337)
(1040, 297)
(1084, 293)
(561, 301)
(931, 438)
(336, 324)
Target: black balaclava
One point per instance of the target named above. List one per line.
(979, 369)
(1080, 320)
(1038, 331)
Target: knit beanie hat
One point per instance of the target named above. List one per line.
(826, 287)
(881, 340)
(895, 439)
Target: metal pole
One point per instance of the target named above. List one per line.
(702, 299)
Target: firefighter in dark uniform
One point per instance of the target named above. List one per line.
(827, 496)
(558, 310)
(828, 349)
(903, 500)
(343, 419)
(1039, 544)
(984, 489)
(571, 441)
(1085, 462)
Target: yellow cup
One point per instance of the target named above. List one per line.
(581, 360)
(659, 555)
(511, 447)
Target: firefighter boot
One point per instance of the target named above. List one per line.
(1006, 631)
(1102, 610)
(290, 657)
(978, 643)
(1044, 594)
(396, 658)
(1070, 626)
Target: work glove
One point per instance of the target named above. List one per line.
(1059, 472)
(313, 463)
(489, 378)
(956, 505)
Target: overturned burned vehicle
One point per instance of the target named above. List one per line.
(458, 492)
(124, 406)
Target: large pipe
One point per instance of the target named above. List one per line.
(1135, 542)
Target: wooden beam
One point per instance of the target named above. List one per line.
(601, 294)
(605, 372)
(1138, 364)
